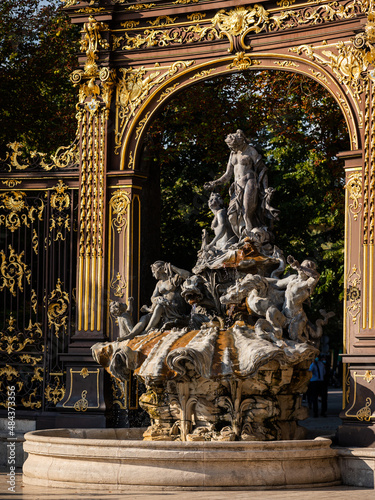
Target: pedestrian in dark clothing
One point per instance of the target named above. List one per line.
(316, 385)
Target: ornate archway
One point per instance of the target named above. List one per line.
(137, 55)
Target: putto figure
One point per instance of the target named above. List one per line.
(250, 195)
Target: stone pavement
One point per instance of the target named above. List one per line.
(316, 427)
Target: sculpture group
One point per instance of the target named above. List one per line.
(224, 350)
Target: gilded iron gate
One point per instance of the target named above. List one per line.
(38, 224)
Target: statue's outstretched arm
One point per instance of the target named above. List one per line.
(224, 179)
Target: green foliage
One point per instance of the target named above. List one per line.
(299, 128)
(37, 54)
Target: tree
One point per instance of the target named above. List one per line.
(299, 128)
(37, 54)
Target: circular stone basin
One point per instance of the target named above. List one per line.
(117, 459)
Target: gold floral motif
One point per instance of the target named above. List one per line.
(168, 91)
(9, 371)
(184, 2)
(319, 76)
(91, 43)
(196, 16)
(141, 125)
(141, 6)
(354, 187)
(63, 158)
(19, 211)
(347, 64)
(90, 10)
(285, 3)
(118, 284)
(11, 183)
(60, 199)
(31, 404)
(84, 372)
(14, 271)
(286, 64)
(162, 21)
(37, 374)
(353, 294)
(69, 3)
(202, 74)
(368, 376)
(365, 412)
(133, 88)
(35, 242)
(33, 301)
(82, 404)
(31, 360)
(57, 307)
(119, 203)
(55, 394)
(10, 342)
(242, 62)
(130, 24)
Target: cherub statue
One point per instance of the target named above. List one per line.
(224, 235)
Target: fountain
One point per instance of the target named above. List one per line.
(224, 352)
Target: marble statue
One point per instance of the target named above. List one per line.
(224, 351)
(250, 194)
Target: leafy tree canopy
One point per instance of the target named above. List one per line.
(37, 54)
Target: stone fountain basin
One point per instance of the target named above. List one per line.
(118, 459)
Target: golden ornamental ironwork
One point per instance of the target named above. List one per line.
(28, 403)
(91, 43)
(13, 271)
(55, 393)
(162, 21)
(31, 360)
(10, 341)
(130, 24)
(134, 86)
(368, 376)
(19, 212)
(18, 159)
(119, 203)
(10, 372)
(57, 308)
(33, 301)
(364, 413)
(354, 187)
(60, 199)
(82, 404)
(118, 285)
(11, 183)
